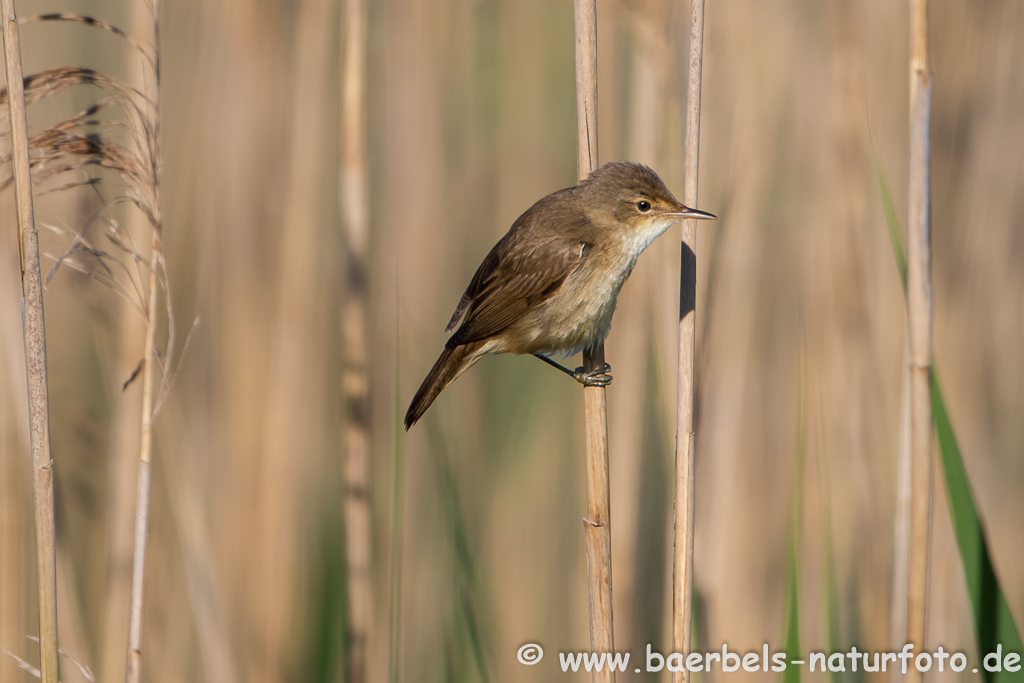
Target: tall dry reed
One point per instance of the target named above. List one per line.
(354, 208)
(597, 524)
(683, 494)
(919, 328)
(35, 348)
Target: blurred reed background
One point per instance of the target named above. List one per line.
(471, 118)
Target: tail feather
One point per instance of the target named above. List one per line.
(449, 365)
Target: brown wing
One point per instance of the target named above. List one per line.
(520, 272)
(484, 275)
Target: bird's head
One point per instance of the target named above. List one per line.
(631, 199)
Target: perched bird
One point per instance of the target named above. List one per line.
(549, 285)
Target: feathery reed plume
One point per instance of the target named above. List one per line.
(356, 373)
(35, 349)
(919, 327)
(148, 52)
(682, 497)
(597, 524)
(58, 79)
(78, 144)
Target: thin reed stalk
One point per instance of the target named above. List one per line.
(122, 483)
(133, 670)
(901, 517)
(597, 524)
(35, 349)
(131, 342)
(683, 498)
(356, 380)
(919, 323)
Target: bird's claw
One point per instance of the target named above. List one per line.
(597, 377)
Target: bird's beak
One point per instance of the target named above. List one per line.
(686, 213)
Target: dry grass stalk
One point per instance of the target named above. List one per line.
(123, 470)
(919, 319)
(901, 519)
(35, 350)
(148, 143)
(356, 379)
(683, 498)
(597, 525)
(33, 671)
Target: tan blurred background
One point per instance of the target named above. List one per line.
(471, 118)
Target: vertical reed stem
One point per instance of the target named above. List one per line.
(919, 318)
(683, 498)
(356, 380)
(901, 518)
(597, 524)
(35, 349)
(133, 668)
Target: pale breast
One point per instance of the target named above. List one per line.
(579, 314)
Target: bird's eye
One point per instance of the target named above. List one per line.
(643, 206)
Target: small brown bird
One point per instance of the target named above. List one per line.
(549, 285)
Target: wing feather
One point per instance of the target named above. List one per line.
(484, 274)
(514, 279)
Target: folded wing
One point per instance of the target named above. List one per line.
(520, 272)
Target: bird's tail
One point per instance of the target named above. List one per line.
(449, 365)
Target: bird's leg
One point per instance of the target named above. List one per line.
(598, 377)
(557, 366)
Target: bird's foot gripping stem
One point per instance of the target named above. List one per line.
(598, 377)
